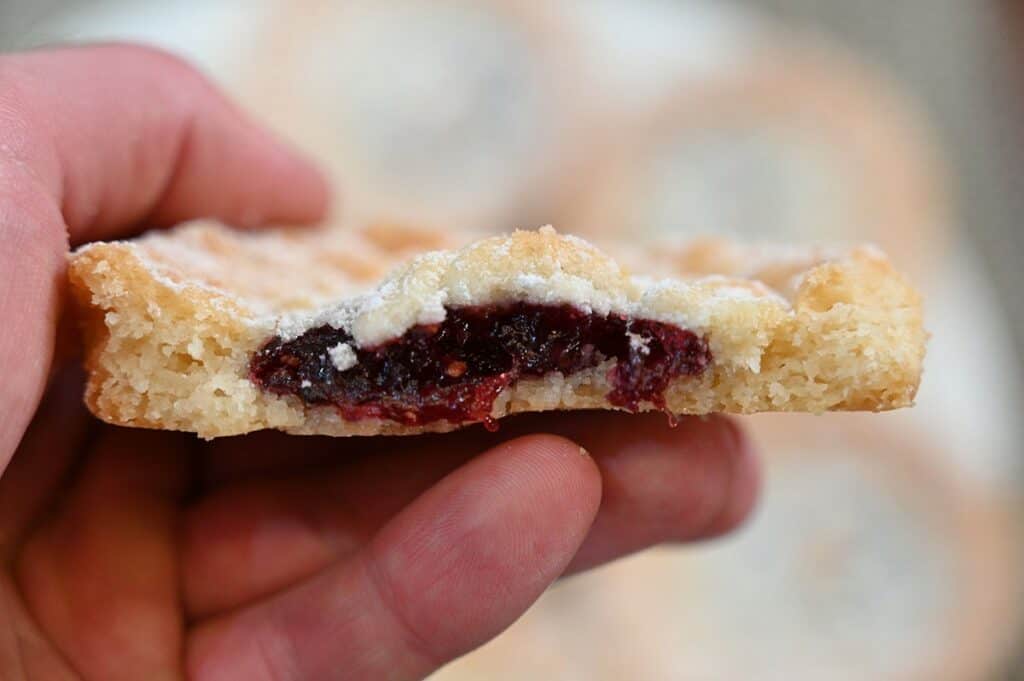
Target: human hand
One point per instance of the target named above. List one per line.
(130, 554)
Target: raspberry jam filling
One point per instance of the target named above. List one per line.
(455, 370)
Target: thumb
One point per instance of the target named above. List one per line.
(95, 141)
(450, 572)
(122, 136)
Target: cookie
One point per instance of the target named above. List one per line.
(868, 559)
(439, 111)
(217, 332)
(793, 140)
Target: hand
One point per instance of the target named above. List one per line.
(132, 555)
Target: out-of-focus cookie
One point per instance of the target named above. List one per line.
(635, 51)
(794, 141)
(867, 559)
(220, 332)
(444, 112)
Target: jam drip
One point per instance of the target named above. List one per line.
(455, 370)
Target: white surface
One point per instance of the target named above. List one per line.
(637, 49)
(970, 398)
(793, 186)
(420, 93)
(195, 29)
(837, 578)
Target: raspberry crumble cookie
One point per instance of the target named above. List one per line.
(393, 330)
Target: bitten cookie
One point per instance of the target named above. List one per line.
(364, 332)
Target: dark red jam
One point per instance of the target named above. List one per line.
(455, 370)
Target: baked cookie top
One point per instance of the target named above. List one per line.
(391, 329)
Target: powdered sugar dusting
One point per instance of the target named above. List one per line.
(343, 357)
(480, 274)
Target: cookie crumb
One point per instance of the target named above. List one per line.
(343, 357)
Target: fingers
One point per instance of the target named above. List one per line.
(297, 517)
(270, 454)
(696, 481)
(254, 540)
(43, 459)
(299, 508)
(660, 484)
(449, 572)
(101, 574)
(299, 523)
(32, 261)
(95, 141)
(122, 134)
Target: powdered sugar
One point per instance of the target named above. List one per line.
(558, 270)
(343, 357)
(638, 343)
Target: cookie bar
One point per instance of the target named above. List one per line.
(368, 331)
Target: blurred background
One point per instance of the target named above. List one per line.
(886, 547)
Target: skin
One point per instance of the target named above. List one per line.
(129, 554)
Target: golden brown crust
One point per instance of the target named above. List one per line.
(173, 320)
